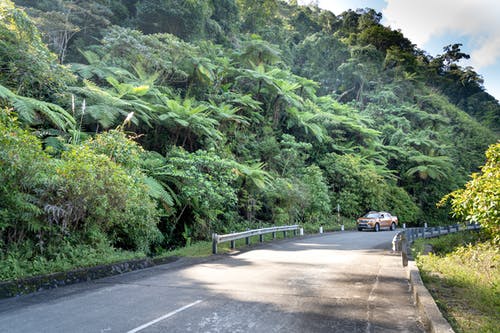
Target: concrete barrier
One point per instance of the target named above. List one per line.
(432, 318)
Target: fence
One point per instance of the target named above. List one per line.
(216, 239)
(403, 238)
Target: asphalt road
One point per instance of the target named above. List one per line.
(339, 282)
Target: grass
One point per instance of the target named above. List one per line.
(462, 272)
(17, 264)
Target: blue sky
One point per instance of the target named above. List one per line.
(433, 24)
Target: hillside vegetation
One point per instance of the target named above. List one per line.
(147, 125)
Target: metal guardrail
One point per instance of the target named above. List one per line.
(404, 238)
(216, 239)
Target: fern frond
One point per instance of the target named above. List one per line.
(157, 190)
(29, 108)
(105, 115)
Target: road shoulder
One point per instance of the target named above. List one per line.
(429, 312)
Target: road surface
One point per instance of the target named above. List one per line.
(338, 282)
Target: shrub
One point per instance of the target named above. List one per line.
(479, 201)
(91, 190)
(23, 174)
(82, 195)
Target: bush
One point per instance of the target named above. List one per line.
(359, 186)
(82, 195)
(479, 201)
(91, 190)
(206, 195)
(318, 206)
(24, 169)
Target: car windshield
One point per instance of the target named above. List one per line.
(371, 215)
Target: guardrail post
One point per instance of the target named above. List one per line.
(321, 229)
(261, 238)
(458, 227)
(404, 249)
(301, 231)
(274, 234)
(284, 234)
(214, 243)
(439, 230)
(247, 240)
(423, 232)
(294, 232)
(396, 243)
(233, 244)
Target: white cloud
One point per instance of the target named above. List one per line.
(488, 52)
(477, 20)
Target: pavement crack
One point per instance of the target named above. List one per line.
(370, 306)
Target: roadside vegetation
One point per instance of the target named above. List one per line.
(462, 271)
(133, 128)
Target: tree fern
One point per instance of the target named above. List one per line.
(30, 110)
(433, 167)
(254, 174)
(156, 190)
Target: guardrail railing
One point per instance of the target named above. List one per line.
(404, 238)
(216, 239)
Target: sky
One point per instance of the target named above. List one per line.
(433, 24)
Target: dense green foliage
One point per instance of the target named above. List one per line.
(81, 195)
(146, 125)
(479, 201)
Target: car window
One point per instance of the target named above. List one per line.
(372, 215)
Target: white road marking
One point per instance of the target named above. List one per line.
(170, 314)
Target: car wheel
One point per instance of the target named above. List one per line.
(360, 229)
(393, 226)
(377, 227)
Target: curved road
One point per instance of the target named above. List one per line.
(338, 282)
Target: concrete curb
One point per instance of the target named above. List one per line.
(55, 280)
(432, 318)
